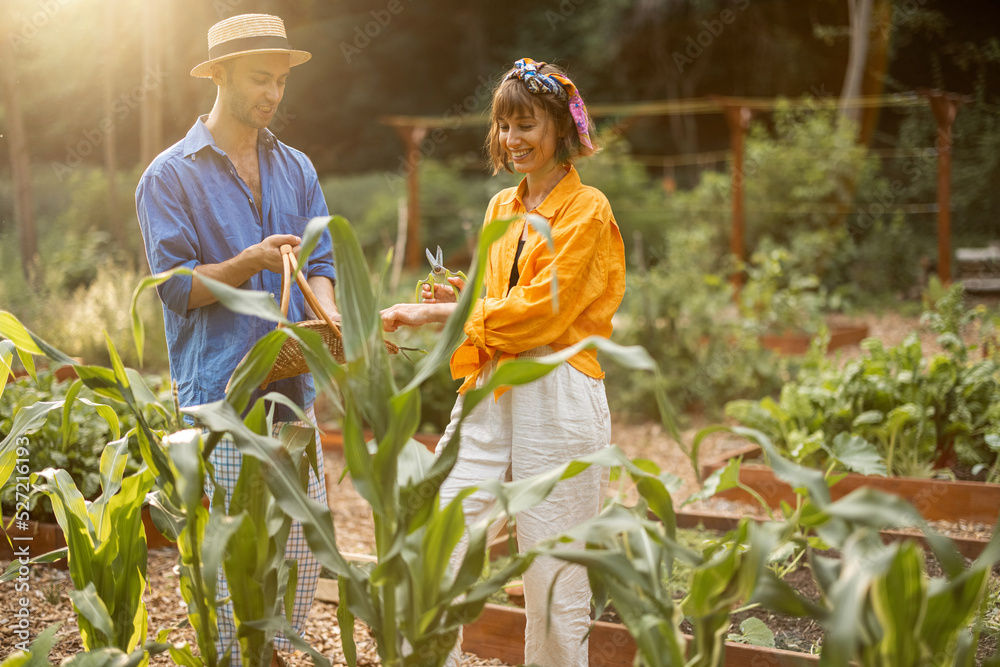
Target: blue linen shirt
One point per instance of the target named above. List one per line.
(195, 209)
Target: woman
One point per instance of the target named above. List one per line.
(538, 126)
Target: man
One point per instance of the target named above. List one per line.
(221, 202)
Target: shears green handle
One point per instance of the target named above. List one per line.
(438, 273)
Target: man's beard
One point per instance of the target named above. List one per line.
(241, 109)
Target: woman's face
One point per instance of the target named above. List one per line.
(530, 141)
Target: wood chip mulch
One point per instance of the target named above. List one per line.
(49, 602)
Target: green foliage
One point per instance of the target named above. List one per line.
(779, 299)
(106, 545)
(68, 436)
(887, 260)
(439, 391)
(753, 631)
(87, 275)
(877, 604)
(640, 205)
(680, 311)
(631, 558)
(916, 411)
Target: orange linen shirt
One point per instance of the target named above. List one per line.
(588, 258)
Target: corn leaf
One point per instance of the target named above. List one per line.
(29, 343)
(6, 357)
(90, 606)
(899, 599)
(38, 653)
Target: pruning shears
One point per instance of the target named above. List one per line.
(438, 273)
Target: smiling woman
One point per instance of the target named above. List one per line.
(541, 297)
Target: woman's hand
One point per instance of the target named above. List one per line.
(442, 293)
(416, 314)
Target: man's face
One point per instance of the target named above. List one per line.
(253, 86)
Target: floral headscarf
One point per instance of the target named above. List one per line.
(537, 83)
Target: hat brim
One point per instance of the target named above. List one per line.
(204, 70)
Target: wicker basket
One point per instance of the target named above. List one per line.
(290, 361)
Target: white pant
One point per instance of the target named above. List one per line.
(531, 429)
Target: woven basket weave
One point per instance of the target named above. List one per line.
(290, 361)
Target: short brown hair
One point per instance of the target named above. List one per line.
(511, 97)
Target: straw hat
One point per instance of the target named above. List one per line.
(245, 34)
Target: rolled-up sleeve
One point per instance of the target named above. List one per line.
(170, 238)
(527, 318)
(321, 259)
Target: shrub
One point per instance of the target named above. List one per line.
(681, 312)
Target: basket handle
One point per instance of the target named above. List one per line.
(288, 265)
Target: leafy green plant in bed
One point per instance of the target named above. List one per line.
(777, 300)
(920, 412)
(637, 559)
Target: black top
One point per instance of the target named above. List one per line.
(514, 273)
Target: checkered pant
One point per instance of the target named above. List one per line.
(227, 460)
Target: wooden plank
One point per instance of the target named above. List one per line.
(967, 546)
(798, 343)
(332, 439)
(327, 591)
(749, 450)
(63, 373)
(935, 499)
(499, 634)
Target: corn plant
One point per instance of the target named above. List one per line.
(630, 557)
(106, 542)
(877, 605)
(411, 600)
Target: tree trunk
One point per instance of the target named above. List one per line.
(151, 108)
(860, 12)
(877, 66)
(111, 139)
(20, 163)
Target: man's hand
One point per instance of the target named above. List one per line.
(267, 253)
(322, 287)
(239, 269)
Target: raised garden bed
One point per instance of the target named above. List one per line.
(935, 499)
(795, 342)
(332, 439)
(970, 547)
(499, 634)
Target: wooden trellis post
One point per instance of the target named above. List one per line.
(944, 106)
(738, 118)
